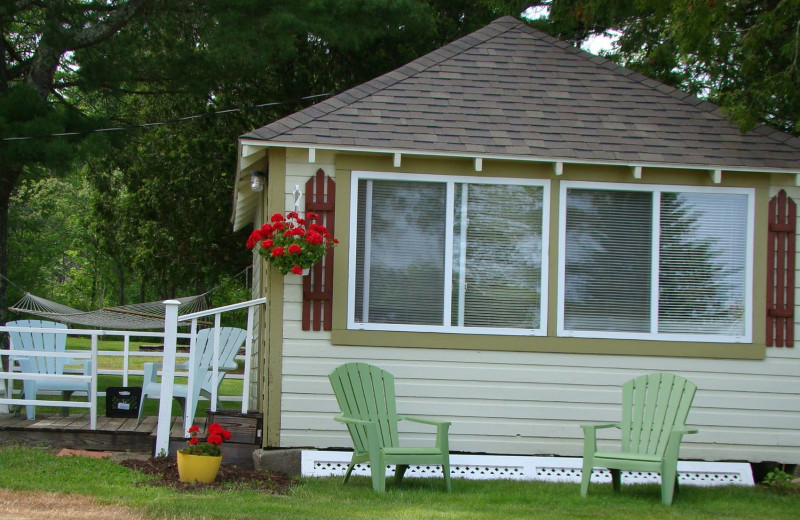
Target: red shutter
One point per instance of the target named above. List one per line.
(780, 271)
(318, 285)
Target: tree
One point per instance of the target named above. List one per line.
(741, 54)
(35, 78)
(74, 66)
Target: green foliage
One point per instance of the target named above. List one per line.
(740, 54)
(778, 479)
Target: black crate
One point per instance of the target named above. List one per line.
(123, 401)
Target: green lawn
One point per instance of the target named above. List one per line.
(36, 469)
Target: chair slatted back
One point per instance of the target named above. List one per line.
(652, 406)
(42, 342)
(366, 392)
(230, 340)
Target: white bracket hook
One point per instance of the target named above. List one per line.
(297, 194)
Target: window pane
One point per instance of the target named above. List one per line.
(702, 263)
(400, 252)
(608, 260)
(497, 254)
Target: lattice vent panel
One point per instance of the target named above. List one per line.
(547, 469)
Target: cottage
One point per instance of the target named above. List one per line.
(523, 227)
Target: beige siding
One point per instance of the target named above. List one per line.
(533, 403)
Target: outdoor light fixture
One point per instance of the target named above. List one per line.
(257, 180)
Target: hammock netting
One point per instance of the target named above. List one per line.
(138, 316)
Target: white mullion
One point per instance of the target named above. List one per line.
(367, 251)
(448, 254)
(462, 260)
(655, 256)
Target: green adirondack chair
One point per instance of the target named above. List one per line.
(366, 397)
(654, 410)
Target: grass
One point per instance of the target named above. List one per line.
(33, 469)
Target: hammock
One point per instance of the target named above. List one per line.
(138, 316)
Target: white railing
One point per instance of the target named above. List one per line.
(168, 369)
(169, 338)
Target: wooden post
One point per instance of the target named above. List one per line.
(167, 377)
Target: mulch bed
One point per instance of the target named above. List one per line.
(165, 471)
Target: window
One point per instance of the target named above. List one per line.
(655, 262)
(448, 254)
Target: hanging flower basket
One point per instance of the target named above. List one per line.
(291, 243)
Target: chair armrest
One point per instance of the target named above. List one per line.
(590, 435)
(25, 364)
(422, 421)
(674, 442)
(442, 427)
(85, 363)
(150, 372)
(351, 420)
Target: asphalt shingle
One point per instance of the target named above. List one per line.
(510, 90)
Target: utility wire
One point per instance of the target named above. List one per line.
(168, 121)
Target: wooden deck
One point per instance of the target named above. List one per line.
(111, 434)
(119, 434)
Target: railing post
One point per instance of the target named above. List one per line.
(215, 362)
(248, 352)
(167, 377)
(126, 354)
(191, 381)
(93, 386)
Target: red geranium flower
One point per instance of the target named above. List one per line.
(211, 447)
(292, 244)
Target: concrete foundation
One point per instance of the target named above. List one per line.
(285, 461)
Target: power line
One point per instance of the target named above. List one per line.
(168, 121)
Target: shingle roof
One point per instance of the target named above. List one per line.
(510, 90)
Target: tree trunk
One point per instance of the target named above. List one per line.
(9, 175)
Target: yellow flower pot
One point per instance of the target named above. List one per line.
(198, 468)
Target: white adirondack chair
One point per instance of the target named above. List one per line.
(230, 340)
(44, 342)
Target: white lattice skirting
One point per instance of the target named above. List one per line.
(547, 469)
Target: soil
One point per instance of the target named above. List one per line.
(165, 473)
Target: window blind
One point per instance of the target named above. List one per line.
(400, 252)
(608, 260)
(702, 263)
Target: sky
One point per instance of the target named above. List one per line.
(595, 44)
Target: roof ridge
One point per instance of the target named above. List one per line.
(677, 94)
(397, 75)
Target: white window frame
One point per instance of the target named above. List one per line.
(747, 337)
(450, 181)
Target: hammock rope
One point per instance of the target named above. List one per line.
(137, 316)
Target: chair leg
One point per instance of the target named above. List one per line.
(616, 479)
(377, 463)
(446, 474)
(29, 389)
(669, 482)
(349, 470)
(399, 471)
(65, 396)
(141, 408)
(586, 475)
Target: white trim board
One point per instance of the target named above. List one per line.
(547, 469)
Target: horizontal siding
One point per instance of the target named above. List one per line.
(533, 403)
